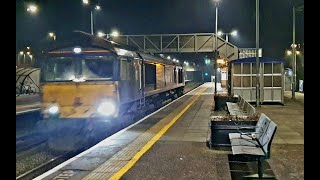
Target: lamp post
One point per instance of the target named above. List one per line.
(294, 52)
(294, 46)
(92, 9)
(216, 48)
(20, 60)
(257, 56)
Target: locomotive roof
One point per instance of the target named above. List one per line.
(80, 38)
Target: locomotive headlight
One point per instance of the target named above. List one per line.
(107, 108)
(53, 109)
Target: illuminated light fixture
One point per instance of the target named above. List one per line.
(32, 8)
(177, 60)
(85, 1)
(220, 33)
(107, 108)
(77, 50)
(81, 79)
(298, 52)
(234, 33)
(289, 52)
(221, 61)
(98, 7)
(21, 52)
(53, 109)
(101, 34)
(174, 60)
(114, 34)
(168, 57)
(28, 53)
(51, 34)
(295, 45)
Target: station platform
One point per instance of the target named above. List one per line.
(171, 144)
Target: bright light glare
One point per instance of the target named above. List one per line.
(21, 53)
(234, 33)
(101, 34)
(122, 52)
(77, 50)
(97, 7)
(51, 34)
(81, 79)
(220, 61)
(54, 109)
(289, 52)
(298, 52)
(107, 108)
(85, 1)
(220, 33)
(168, 57)
(115, 34)
(32, 8)
(72, 77)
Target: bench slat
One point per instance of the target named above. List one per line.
(238, 136)
(247, 150)
(244, 142)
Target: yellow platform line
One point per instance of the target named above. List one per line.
(150, 143)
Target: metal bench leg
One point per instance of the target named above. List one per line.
(260, 174)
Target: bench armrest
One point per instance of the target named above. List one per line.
(251, 135)
(247, 127)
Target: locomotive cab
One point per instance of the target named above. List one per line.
(80, 82)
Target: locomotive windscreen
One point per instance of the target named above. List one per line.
(86, 68)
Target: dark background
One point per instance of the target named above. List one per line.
(165, 16)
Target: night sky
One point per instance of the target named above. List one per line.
(164, 17)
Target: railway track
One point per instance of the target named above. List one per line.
(47, 165)
(29, 141)
(32, 142)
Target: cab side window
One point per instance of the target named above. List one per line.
(125, 69)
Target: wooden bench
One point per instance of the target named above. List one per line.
(256, 149)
